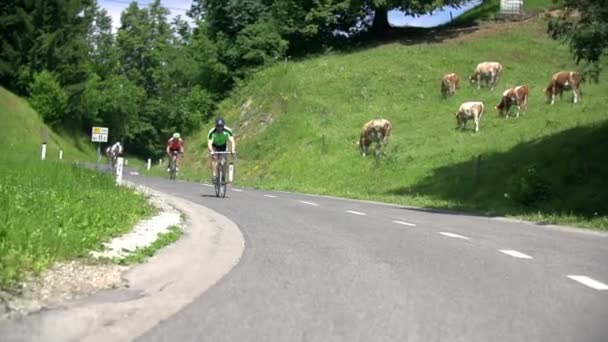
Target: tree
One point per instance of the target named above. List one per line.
(583, 25)
(48, 98)
(102, 43)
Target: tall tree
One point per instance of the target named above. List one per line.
(583, 25)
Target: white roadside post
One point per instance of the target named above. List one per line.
(119, 163)
(149, 163)
(60, 154)
(43, 153)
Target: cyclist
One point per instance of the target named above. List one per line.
(113, 152)
(176, 143)
(216, 142)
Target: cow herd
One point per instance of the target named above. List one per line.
(379, 130)
(490, 72)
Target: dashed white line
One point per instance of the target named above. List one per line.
(356, 212)
(237, 190)
(515, 254)
(208, 185)
(134, 173)
(454, 235)
(405, 223)
(270, 196)
(592, 283)
(309, 203)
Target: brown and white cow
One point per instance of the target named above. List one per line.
(449, 84)
(467, 111)
(515, 96)
(378, 131)
(564, 80)
(488, 71)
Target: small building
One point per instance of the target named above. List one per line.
(511, 7)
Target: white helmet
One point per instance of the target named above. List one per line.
(176, 135)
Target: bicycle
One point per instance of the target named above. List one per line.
(220, 171)
(173, 165)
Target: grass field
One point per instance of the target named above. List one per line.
(296, 124)
(52, 210)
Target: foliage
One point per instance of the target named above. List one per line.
(585, 32)
(48, 98)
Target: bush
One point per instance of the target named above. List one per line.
(48, 97)
(530, 188)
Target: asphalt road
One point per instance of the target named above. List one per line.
(324, 269)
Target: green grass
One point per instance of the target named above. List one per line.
(52, 210)
(23, 132)
(163, 240)
(549, 162)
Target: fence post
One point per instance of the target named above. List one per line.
(119, 163)
(149, 163)
(43, 153)
(60, 154)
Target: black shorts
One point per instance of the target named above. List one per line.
(219, 148)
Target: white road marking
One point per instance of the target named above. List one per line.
(237, 190)
(270, 196)
(405, 223)
(454, 235)
(515, 254)
(134, 173)
(356, 212)
(309, 203)
(209, 185)
(592, 283)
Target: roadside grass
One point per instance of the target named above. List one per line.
(53, 210)
(163, 240)
(297, 124)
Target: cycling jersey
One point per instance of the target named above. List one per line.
(175, 144)
(219, 139)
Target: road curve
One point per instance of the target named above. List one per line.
(326, 269)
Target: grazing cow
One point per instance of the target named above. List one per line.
(516, 96)
(564, 80)
(488, 71)
(449, 84)
(469, 110)
(377, 131)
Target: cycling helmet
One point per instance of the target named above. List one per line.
(176, 135)
(219, 122)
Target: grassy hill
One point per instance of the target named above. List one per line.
(296, 124)
(52, 210)
(24, 132)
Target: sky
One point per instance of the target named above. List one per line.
(396, 18)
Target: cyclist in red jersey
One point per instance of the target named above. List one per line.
(174, 144)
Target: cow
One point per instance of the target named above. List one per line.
(488, 71)
(378, 131)
(564, 80)
(449, 84)
(469, 110)
(515, 96)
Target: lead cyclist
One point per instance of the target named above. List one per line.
(217, 140)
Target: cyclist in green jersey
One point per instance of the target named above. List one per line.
(217, 139)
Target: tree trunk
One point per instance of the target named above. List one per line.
(380, 25)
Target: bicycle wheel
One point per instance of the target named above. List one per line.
(172, 169)
(222, 180)
(218, 174)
